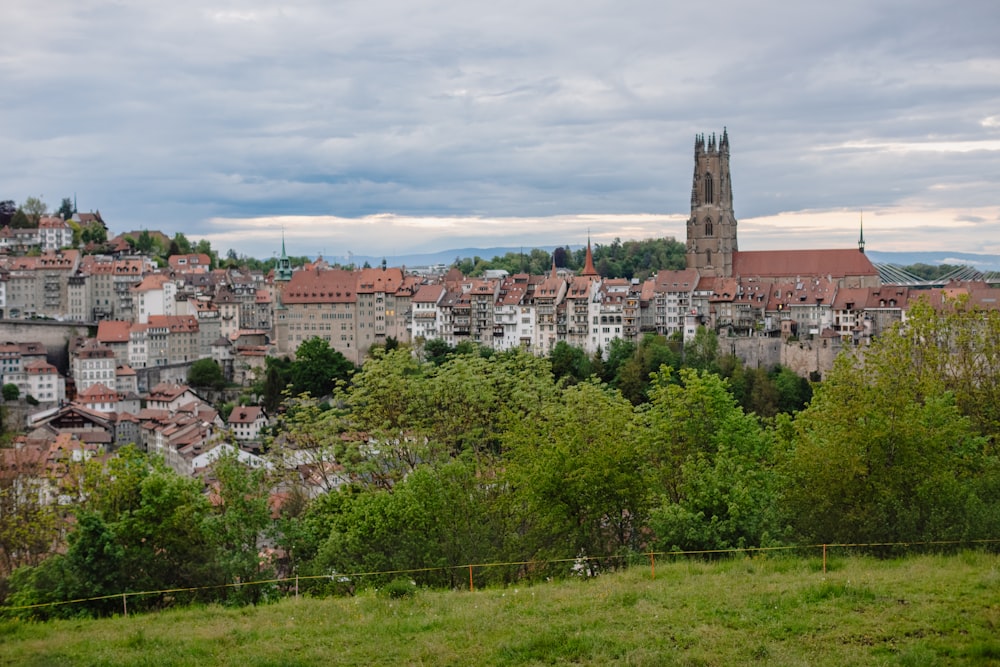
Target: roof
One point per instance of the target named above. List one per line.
(788, 263)
(113, 331)
(320, 286)
(246, 414)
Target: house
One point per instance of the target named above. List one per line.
(247, 423)
(170, 397)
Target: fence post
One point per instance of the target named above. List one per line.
(124, 606)
(296, 587)
(824, 559)
(470, 579)
(652, 564)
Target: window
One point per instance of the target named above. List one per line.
(709, 194)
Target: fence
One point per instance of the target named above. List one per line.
(579, 563)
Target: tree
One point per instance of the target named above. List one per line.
(715, 476)
(882, 453)
(437, 351)
(240, 522)
(7, 210)
(318, 368)
(206, 373)
(579, 471)
(569, 362)
(702, 351)
(145, 243)
(183, 245)
(66, 209)
(28, 526)
(96, 233)
(10, 392)
(402, 529)
(34, 208)
(141, 527)
(276, 377)
(20, 219)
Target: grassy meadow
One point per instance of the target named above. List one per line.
(767, 610)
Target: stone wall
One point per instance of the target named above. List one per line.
(55, 336)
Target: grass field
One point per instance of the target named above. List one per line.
(921, 610)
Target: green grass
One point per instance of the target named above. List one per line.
(924, 610)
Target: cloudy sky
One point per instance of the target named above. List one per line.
(389, 127)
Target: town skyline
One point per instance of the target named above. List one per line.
(385, 128)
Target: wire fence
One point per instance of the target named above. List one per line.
(579, 562)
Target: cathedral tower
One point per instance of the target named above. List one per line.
(711, 229)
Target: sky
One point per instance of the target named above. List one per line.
(392, 127)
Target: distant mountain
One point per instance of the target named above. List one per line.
(441, 257)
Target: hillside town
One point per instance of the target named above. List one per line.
(133, 327)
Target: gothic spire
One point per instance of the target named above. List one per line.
(588, 264)
(861, 239)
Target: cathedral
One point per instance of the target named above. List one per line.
(713, 249)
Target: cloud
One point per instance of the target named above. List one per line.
(182, 115)
(389, 235)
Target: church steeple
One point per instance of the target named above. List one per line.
(283, 269)
(711, 229)
(588, 264)
(861, 239)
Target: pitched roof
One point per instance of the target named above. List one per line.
(246, 414)
(113, 331)
(837, 263)
(319, 286)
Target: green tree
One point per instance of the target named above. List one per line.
(240, 523)
(882, 454)
(277, 376)
(580, 474)
(713, 463)
(140, 527)
(702, 351)
(10, 392)
(318, 368)
(206, 373)
(437, 351)
(34, 208)
(183, 245)
(66, 209)
(569, 362)
(20, 219)
(28, 526)
(433, 521)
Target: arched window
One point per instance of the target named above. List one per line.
(708, 257)
(709, 194)
(708, 227)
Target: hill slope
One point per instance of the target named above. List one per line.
(761, 610)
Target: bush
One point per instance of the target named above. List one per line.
(399, 588)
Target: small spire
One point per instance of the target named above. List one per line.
(861, 239)
(588, 264)
(555, 274)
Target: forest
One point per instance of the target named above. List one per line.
(428, 459)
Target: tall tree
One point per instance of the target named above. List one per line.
(206, 373)
(7, 210)
(882, 454)
(580, 472)
(66, 209)
(318, 368)
(34, 208)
